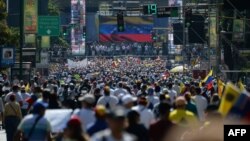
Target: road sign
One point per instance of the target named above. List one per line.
(48, 26)
(150, 9)
(167, 12)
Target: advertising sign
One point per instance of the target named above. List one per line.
(30, 16)
(7, 56)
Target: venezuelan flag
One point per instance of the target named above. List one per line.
(229, 98)
(137, 29)
(240, 85)
(221, 86)
(242, 107)
(208, 80)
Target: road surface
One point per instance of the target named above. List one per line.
(2, 135)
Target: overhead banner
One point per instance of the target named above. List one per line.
(77, 64)
(30, 16)
(212, 32)
(238, 27)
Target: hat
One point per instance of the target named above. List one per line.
(74, 121)
(100, 110)
(39, 105)
(164, 91)
(87, 98)
(180, 101)
(117, 113)
(127, 99)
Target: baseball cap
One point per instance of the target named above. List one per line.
(100, 110)
(39, 105)
(117, 113)
(87, 98)
(127, 99)
(74, 121)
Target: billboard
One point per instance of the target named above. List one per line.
(7, 56)
(212, 32)
(238, 27)
(30, 16)
(137, 29)
(78, 20)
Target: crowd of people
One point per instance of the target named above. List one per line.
(125, 48)
(114, 100)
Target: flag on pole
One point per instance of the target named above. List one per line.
(221, 86)
(241, 109)
(241, 86)
(208, 80)
(210, 74)
(27, 88)
(229, 98)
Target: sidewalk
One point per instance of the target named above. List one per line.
(2, 135)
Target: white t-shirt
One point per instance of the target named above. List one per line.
(107, 136)
(112, 100)
(201, 105)
(87, 116)
(172, 95)
(18, 97)
(24, 97)
(153, 99)
(119, 91)
(146, 115)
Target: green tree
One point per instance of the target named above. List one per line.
(4, 30)
(8, 36)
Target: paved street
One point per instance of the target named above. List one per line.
(2, 135)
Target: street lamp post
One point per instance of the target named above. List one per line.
(21, 30)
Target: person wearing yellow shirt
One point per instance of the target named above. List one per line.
(181, 116)
(12, 116)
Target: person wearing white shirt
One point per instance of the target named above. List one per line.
(19, 98)
(119, 90)
(86, 114)
(152, 99)
(116, 120)
(109, 101)
(146, 115)
(201, 104)
(176, 87)
(25, 96)
(172, 93)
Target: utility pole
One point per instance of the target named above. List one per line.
(218, 30)
(184, 31)
(21, 39)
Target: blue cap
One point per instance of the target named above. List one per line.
(38, 105)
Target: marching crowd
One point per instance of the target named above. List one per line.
(126, 48)
(114, 100)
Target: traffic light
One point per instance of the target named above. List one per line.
(120, 22)
(84, 32)
(64, 30)
(153, 36)
(188, 15)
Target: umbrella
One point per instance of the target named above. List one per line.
(178, 69)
